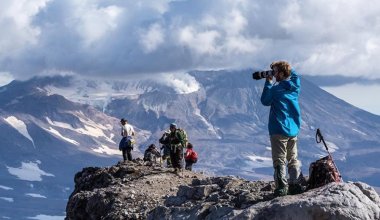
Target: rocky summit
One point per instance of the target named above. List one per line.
(140, 190)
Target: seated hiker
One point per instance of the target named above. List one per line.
(191, 157)
(164, 140)
(151, 154)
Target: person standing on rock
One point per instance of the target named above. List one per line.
(177, 141)
(284, 125)
(191, 157)
(126, 143)
(164, 140)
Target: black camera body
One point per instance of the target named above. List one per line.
(262, 74)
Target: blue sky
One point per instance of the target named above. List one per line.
(115, 38)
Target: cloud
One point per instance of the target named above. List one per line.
(182, 83)
(151, 38)
(113, 38)
(5, 78)
(16, 25)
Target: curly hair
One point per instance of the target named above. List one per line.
(282, 66)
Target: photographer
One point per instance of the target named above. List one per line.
(284, 124)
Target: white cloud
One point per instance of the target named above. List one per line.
(152, 38)
(29, 171)
(5, 78)
(16, 21)
(94, 37)
(182, 83)
(93, 22)
(202, 42)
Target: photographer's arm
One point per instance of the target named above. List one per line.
(294, 83)
(266, 96)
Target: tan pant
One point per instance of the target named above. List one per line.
(284, 149)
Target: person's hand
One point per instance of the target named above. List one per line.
(269, 79)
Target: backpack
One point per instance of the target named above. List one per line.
(193, 156)
(322, 172)
(182, 136)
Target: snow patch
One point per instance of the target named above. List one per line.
(90, 128)
(210, 127)
(34, 195)
(360, 132)
(59, 124)
(259, 161)
(5, 187)
(56, 133)
(29, 171)
(106, 150)
(47, 217)
(332, 147)
(20, 126)
(7, 199)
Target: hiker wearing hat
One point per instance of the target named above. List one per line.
(284, 125)
(126, 143)
(177, 141)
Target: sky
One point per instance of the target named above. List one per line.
(131, 38)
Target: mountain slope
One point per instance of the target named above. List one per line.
(54, 126)
(226, 121)
(44, 140)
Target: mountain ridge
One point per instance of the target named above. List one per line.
(70, 119)
(144, 190)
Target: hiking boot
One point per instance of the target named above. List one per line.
(280, 181)
(281, 192)
(295, 189)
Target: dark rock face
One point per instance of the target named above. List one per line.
(125, 191)
(134, 190)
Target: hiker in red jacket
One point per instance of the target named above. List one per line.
(191, 157)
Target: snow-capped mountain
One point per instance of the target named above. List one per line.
(225, 119)
(50, 127)
(45, 139)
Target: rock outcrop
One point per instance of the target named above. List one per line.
(134, 190)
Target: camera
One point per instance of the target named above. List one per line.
(262, 74)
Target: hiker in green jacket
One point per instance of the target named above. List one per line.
(177, 141)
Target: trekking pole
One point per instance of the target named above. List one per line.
(319, 138)
(183, 159)
(160, 155)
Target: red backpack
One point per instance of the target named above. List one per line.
(191, 155)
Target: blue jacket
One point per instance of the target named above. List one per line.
(285, 114)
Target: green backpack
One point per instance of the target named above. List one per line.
(182, 136)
